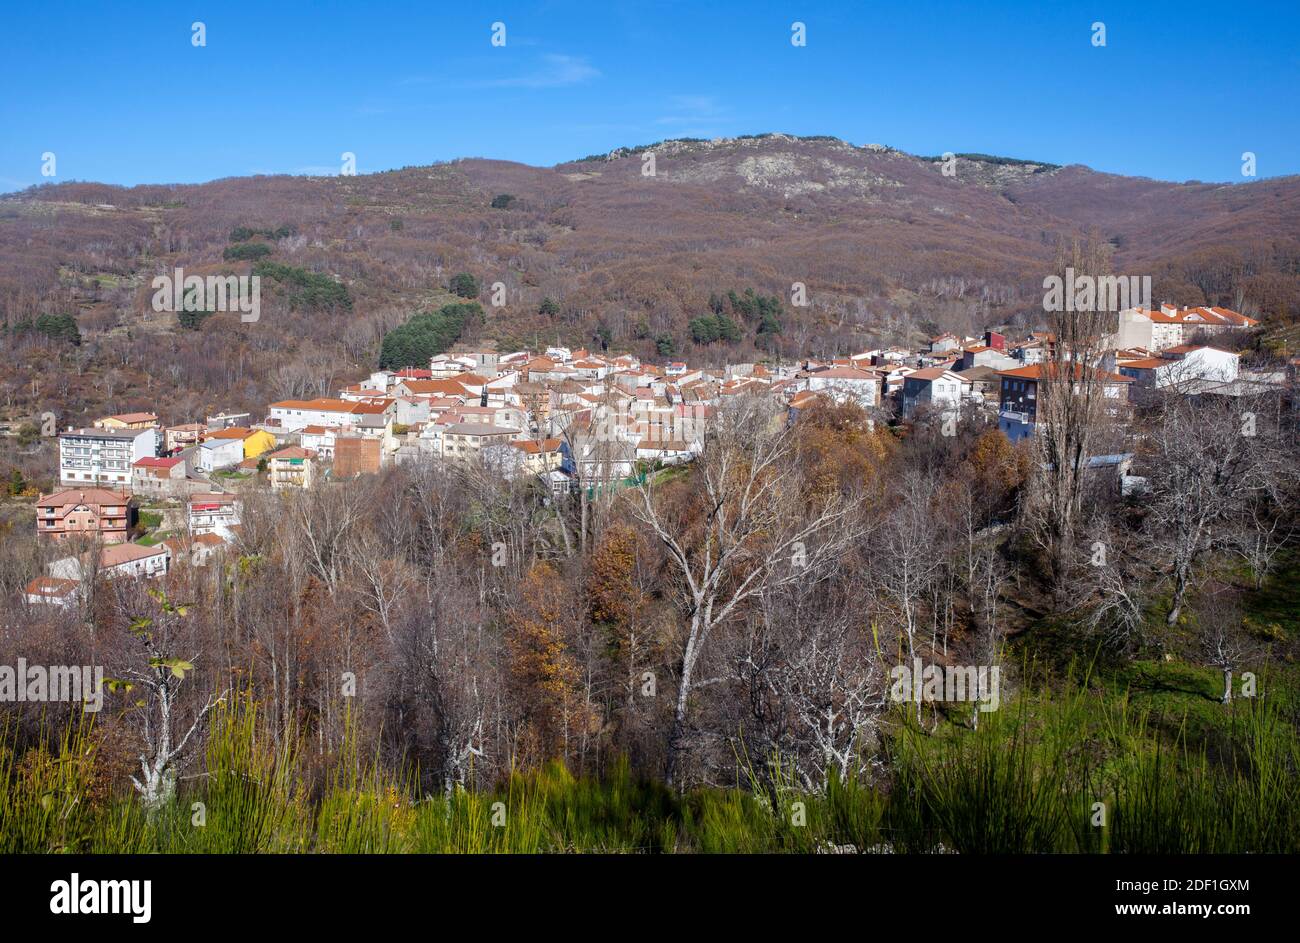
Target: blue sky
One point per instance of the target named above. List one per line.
(118, 93)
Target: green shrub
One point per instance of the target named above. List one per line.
(246, 251)
(426, 334)
(464, 285)
(312, 291)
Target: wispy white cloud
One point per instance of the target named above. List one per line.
(692, 110)
(552, 70)
(555, 71)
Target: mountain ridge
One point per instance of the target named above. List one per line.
(888, 247)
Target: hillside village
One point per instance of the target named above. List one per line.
(838, 459)
(570, 420)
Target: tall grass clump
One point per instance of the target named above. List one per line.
(511, 820)
(616, 813)
(366, 809)
(1010, 786)
(1172, 799)
(55, 799)
(249, 798)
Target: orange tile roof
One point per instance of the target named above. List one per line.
(929, 373)
(1198, 315)
(532, 447)
(213, 498)
(91, 496)
(323, 404)
(293, 451)
(51, 586)
(117, 554)
(846, 373)
(430, 387)
(1035, 372)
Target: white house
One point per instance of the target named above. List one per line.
(118, 560)
(215, 454)
(134, 560)
(53, 591)
(1182, 365)
(934, 387)
(320, 439)
(944, 343)
(847, 383)
(293, 415)
(980, 355)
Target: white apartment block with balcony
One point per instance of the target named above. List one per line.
(212, 513)
(103, 456)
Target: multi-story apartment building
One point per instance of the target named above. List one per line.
(293, 415)
(466, 440)
(212, 513)
(1172, 326)
(292, 467)
(90, 511)
(103, 456)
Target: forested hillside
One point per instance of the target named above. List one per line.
(592, 253)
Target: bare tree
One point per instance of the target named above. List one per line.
(1214, 459)
(825, 679)
(1224, 640)
(326, 523)
(749, 531)
(1113, 586)
(155, 627)
(1071, 405)
(905, 563)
